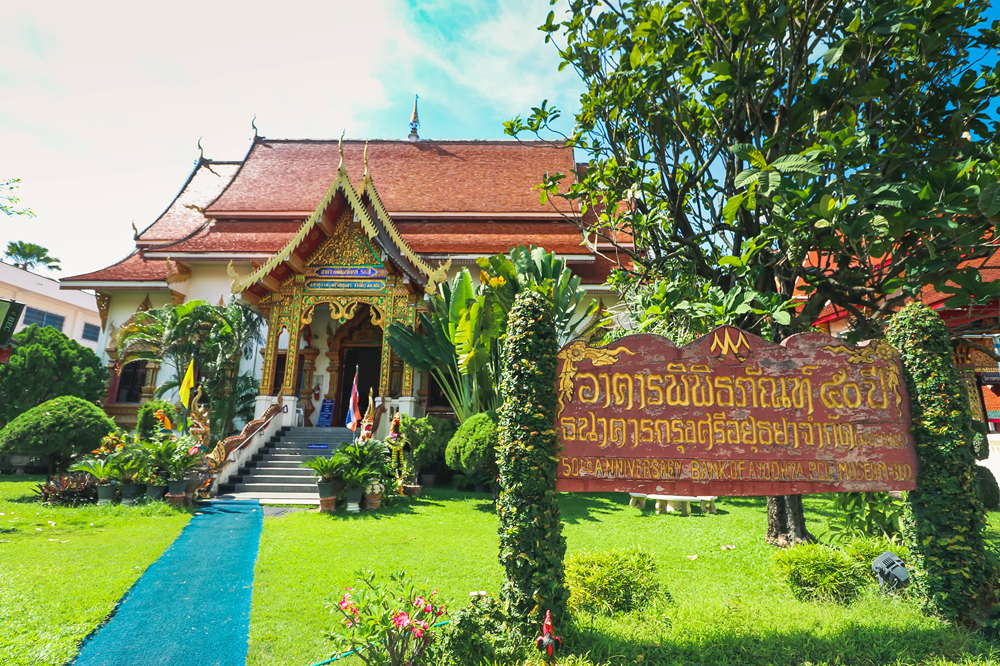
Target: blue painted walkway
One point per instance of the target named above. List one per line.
(192, 606)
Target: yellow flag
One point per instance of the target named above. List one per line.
(187, 385)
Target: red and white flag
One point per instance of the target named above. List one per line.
(353, 409)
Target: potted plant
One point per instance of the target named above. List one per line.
(355, 479)
(406, 479)
(130, 471)
(373, 494)
(329, 472)
(102, 471)
(179, 466)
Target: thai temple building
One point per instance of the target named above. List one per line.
(331, 241)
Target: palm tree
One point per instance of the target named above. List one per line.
(28, 255)
(215, 337)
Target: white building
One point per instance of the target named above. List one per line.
(72, 312)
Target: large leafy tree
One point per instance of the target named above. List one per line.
(781, 153)
(45, 364)
(28, 255)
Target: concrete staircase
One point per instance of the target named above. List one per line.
(274, 476)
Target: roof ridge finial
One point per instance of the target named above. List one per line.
(201, 152)
(253, 124)
(414, 121)
(366, 160)
(340, 147)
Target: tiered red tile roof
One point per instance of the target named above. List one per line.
(445, 197)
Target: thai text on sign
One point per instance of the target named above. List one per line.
(733, 414)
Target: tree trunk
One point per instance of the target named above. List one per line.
(786, 521)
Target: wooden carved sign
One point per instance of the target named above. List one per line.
(733, 414)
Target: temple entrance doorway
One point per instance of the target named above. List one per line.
(367, 362)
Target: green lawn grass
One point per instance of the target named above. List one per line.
(727, 606)
(62, 570)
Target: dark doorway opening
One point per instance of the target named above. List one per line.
(368, 362)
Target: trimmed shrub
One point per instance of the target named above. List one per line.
(989, 492)
(478, 636)
(474, 446)
(45, 365)
(147, 425)
(612, 581)
(944, 519)
(820, 573)
(429, 437)
(532, 545)
(68, 490)
(59, 428)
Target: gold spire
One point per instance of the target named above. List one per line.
(366, 159)
(340, 147)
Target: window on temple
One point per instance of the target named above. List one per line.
(130, 382)
(42, 318)
(91, 332)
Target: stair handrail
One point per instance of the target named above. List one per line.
(264, 424)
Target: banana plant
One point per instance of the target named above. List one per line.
(506, 275)
(455, 344)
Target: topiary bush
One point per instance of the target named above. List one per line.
(820, 573)
(474, 446)
(980, 439)
(147, 425)
(60, 429)
(944, 519)
(429, 437)
(612, 581)
(532, 545)
(989, 492)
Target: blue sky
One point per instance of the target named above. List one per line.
(102, 104)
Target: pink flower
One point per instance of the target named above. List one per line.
(441, 611)
(401, 620)
(419, 627)
(193, 450)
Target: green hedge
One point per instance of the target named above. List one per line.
(59, 428)
(944, 520)
(532, 545)
(428, 436)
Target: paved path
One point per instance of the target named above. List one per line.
(192, 606)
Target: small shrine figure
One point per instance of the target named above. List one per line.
(399, 447)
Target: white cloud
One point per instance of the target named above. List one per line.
(102, 103)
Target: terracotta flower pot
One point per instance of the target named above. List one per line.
(412, 491)
(373, 502)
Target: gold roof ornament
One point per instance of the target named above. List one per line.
(414, 121)
(340, 149)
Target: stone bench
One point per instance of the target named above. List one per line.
(671, 503)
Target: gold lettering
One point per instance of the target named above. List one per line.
(658, 387)
(569, 428)
(595, 391)
(621, 383)
(618, 432)
(824, 392)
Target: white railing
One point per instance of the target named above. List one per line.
(250, 444)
